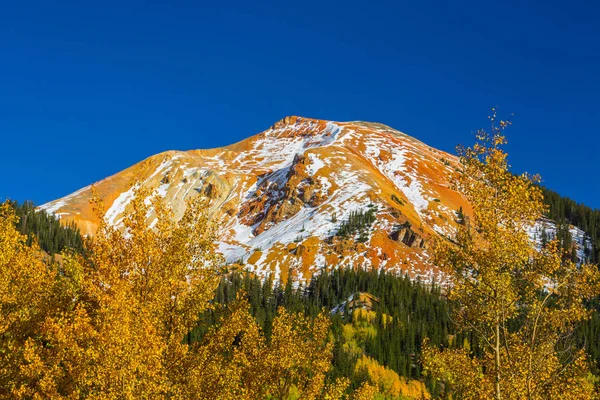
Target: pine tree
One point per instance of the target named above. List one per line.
(460, 216)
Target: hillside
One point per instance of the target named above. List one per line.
(302, 195)
(282, 195)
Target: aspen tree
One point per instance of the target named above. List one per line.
(113, 324)
(521, 301)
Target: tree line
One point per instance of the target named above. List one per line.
(406, 312)
(52, 236)
(510, 324)
(111, 323)
(564, 210)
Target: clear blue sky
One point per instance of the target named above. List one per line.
(86, 91)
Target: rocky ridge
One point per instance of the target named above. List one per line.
(280, 197)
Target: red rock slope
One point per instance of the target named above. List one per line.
(280, 196)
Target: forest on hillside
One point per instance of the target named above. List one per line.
(382, 345)
(51, 235)
(156, 313)
(563, 210)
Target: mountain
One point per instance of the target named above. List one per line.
(302, 195)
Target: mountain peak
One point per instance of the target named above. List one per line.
(292, 120)
(293, 127)
(305, 194)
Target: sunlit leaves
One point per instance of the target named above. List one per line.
(522, 302)
(113, 324)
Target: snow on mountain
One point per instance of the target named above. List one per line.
(281, 196)
(545, 230)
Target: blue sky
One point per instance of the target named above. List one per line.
(86, 91)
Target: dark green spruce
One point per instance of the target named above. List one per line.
(52, 236)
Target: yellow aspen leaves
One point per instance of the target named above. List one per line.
(521, 302)
(114, 323)
(388, 383)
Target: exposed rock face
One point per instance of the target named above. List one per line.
(281, 196)
(272, 203)
(404, 233)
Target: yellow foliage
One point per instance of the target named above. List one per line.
(360, 314)
(25, 287)
(365, 392)
(112, 324)
(458, 369)
(388, 382)
(519, 300)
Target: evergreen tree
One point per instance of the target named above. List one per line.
(52, 236)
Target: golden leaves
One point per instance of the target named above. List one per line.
(108, 325)
(235, 359)
(388, 383)
(25, 288)
(111, 324)
(459, 370)
(520, 301)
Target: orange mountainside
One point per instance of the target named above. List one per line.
(280, 196)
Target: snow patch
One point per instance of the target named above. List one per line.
(315, 164)
(118, 206)
(55, 205)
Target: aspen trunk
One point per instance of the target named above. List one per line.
(497, 349)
